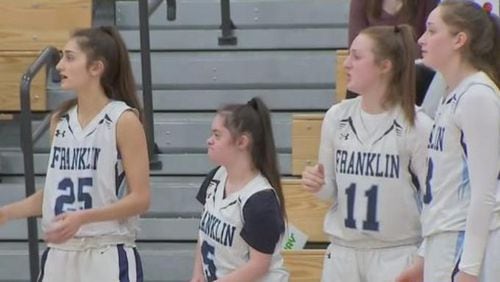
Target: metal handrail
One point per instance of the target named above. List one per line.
(40, 130)
(227, 26)
(146, 9)
(171, 10)
(49, 58)
(147, 84)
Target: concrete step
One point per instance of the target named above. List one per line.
(170, 262)
(172, 164)
(181, 132)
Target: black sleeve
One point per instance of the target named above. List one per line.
(202, 193)
(264, 223)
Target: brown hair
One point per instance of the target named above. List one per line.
(483, 32)
(406, 13)
(253, 118)
(105, 44)
(397, 44)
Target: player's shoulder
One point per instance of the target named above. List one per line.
(342, 109)
(481, 86)
(256, 185)
(118, 110)
(127, 118)
(422, 119)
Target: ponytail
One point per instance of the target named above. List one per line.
(483, 32)
(254, 118)
(397, 44)
(494, 57)
(105, 44)
(407, 81)
(264, 150)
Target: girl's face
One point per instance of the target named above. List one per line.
(361, 68)
(221, 144)
(437, 42)
(73, 67)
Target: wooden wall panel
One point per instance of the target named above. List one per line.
(304, 265)
(35, 24)
(306, 132)
(12, 67)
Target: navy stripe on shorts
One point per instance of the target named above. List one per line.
(44, 260)
(123, 263)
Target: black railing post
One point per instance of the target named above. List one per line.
(147, 92)
(49, 57)
(171, 10)
(227, 24)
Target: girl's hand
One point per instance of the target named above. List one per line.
(3, 216)
(64, 227)
(464, 277)
(414, 273)
(313, 178)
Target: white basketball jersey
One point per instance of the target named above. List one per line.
(85, 171)
(448, 191)
(372, 175)
(223, 249)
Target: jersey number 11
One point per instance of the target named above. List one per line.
(371, 222)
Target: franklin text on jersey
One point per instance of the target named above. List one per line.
(215, 227)
(79, 158)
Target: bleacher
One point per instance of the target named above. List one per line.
(286, 53)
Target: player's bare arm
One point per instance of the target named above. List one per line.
(28, 207)
(32, 205)
(256, 267)
(197, 267)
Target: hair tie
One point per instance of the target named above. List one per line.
(396, 29)
(106, 29)
(252, 103)
(487, 7)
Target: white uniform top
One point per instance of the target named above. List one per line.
(372, 174)
(223, 249)
(464, 157)
(85, 171)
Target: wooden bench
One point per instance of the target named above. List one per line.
(306, 128)
(304, 265)
(304, 210)
(306, 132)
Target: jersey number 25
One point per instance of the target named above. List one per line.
(82, 198)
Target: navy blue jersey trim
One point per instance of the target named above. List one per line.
(351, 125)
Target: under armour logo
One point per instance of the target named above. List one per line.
(344, 136)
(60, 133)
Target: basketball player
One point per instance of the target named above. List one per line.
(97, 177)
(243, 217)
(461, 215)
(372, 159)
